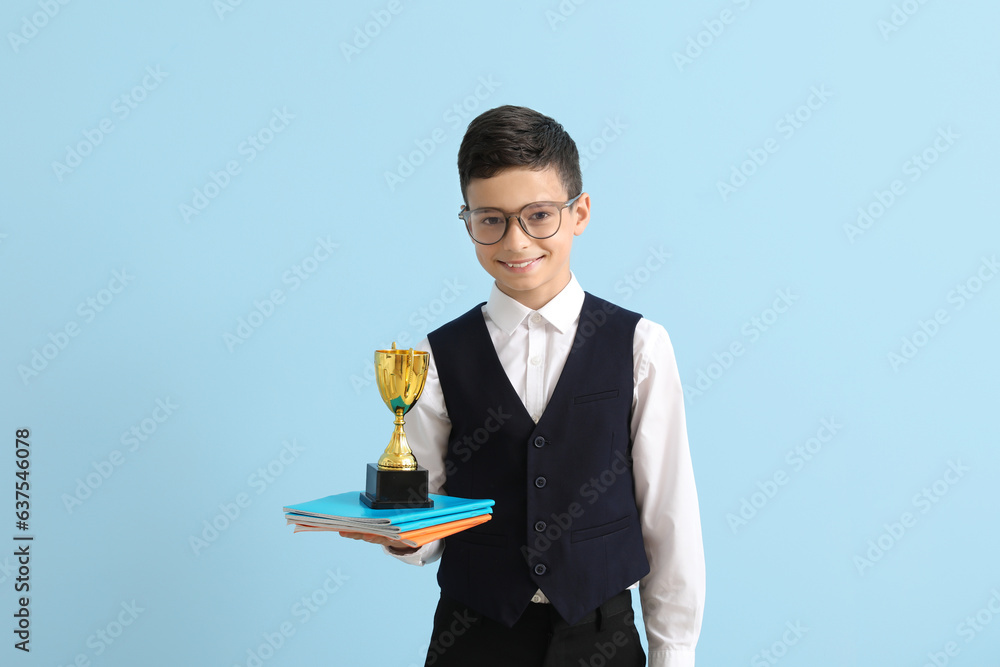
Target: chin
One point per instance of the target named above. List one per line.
(525, 284)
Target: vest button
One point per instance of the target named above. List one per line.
(539, 482)
(541, 569)
(539, 441)
(539, 526)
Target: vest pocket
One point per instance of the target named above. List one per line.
(599, 531)
(599, 396)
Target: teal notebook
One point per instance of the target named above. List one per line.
(347, 506)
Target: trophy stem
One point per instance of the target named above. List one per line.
(397, 454)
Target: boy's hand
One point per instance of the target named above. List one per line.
(396, 546)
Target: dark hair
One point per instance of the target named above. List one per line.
(510, 136)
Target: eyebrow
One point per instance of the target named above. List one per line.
(537, 201)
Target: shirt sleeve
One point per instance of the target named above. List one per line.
(427, 430)
(673, 593)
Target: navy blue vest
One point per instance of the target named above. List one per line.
(565, 518)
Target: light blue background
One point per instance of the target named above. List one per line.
(300, 375)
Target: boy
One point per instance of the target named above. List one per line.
(566, 410)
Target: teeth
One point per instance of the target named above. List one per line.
(519, 266)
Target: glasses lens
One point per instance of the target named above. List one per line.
(541, 219)
(487, 225)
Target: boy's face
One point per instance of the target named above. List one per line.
(547, 271)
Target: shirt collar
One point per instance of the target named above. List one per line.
(561, 312)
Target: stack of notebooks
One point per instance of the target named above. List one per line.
(411, 527)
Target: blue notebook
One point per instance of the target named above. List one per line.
(347, 506)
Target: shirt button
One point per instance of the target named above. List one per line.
(536, 598)
(539, 441)
(540, 568)
(535, 361)
(539, 482)
(536, 318)
(539, 526)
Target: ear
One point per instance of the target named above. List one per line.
(580, 214)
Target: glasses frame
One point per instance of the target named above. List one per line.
(466, 215)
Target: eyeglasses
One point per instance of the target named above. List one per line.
(539, 220)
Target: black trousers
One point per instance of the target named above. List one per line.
(606, 637)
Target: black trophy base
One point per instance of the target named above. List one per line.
(396, 489)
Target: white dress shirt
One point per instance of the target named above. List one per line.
(533, 347)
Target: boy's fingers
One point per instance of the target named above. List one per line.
(367, 537)
(353, 535)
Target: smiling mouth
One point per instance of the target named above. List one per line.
(519, 265)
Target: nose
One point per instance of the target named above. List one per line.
(515, 236)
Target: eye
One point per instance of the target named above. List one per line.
(540, 214)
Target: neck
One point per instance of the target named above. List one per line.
(538, 297)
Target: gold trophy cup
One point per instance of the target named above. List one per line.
(396, 481)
